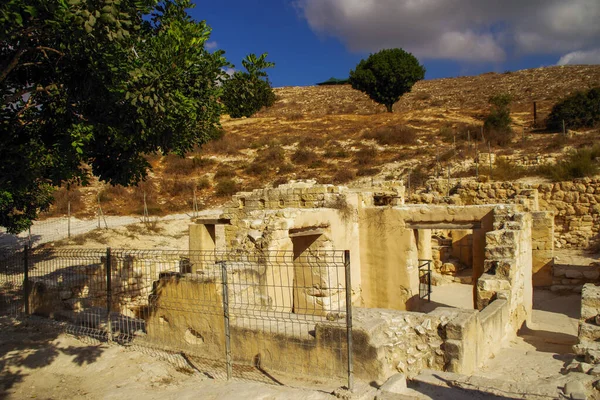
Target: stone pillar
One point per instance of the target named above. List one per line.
(542, 241)
(424, 244)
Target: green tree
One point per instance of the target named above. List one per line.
(245, 93)
(91, 87)
(497, 124)
(387, 75)
(580, 110)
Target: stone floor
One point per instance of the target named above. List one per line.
(542, 348)
(456, 295)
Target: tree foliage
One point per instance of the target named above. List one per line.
(90, 87)
(245, 93)
(497, 124)
(580, 110)
(387, 75)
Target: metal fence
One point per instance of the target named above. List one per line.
(270, 316)
(59, 228)
(425, 279)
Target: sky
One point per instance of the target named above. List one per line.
(313, 40)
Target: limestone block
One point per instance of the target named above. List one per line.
(573, 274)
(591, 275)
(588, 331)
(396, 384)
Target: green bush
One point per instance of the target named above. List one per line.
(245, 93)
(580, 110)
(579, 163)
(497, 124)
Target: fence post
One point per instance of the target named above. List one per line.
(26, 278)
(226, 319)
(69, 219)
(490, 158)
(349, 319)
(108, 292)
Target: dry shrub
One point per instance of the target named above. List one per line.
(280, 181)
(557, 142)
(286, 168)
(226, 187)
(203, 183)
(62, 197)
(336, 151)
(392, 135)
(295, 116)
(225, 172)
(229, 143)
(176, 165)
(111, 193)
(367, 171)
(178, 187)
(365, 156)
(304, 156)
(344, 175)
(312, 141)
(265, 141)
(266, 161)
(418, 177)
(499, 137)
(422, 96)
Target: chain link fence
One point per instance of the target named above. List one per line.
(269, 316)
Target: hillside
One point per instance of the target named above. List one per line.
(336, 134)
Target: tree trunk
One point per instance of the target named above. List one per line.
(389, 107)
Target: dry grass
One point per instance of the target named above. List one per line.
(392, 135)
(329, 134)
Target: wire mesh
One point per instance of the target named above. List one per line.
(11, 282)
(288, 313)
(270, 316)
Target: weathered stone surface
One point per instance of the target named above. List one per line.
(395, 384)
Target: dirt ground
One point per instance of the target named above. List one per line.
(38, 362)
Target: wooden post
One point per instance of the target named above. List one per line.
(490, 158)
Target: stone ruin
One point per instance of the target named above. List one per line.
(387, 240)
(501, 250)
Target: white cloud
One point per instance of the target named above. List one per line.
(229, 71)
(211, 45)
(581, 57)
(471, 30)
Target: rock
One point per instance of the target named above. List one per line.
(396, 384)
(254, 235)
(575, 389)
(595, 371)
(584, 367)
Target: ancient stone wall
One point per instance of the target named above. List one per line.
(71, 290)
(507, 267)
(588, 347)
(575, 204)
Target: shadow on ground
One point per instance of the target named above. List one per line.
(26, 347)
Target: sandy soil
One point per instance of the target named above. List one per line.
(39, 362)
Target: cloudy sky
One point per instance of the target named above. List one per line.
(312, 40)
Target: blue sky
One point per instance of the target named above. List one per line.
(313, 40)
